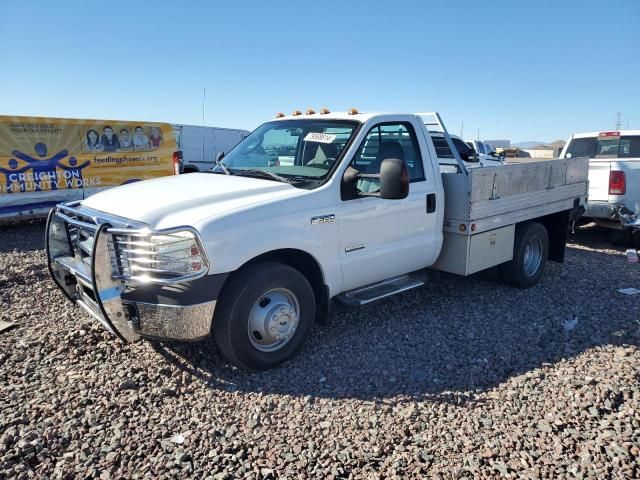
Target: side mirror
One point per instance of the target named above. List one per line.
(470, 156)
(394, 179)
(219, 157)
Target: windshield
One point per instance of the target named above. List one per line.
(625, 146)
(294, 150)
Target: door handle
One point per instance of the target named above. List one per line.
(431, 202)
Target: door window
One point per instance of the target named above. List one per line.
(391, 140)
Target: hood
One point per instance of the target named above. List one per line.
(186, 199)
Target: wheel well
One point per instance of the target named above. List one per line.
(309, 267)
(557, 226)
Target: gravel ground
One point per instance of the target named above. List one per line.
(461, 378)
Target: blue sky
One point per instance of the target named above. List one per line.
(523, 70)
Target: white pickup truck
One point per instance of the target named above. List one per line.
(256, 250)
(471, 157)
(614, 176)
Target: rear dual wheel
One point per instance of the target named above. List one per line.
(265, 316)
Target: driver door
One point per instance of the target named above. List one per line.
(382, 238)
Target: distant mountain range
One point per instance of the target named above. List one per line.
(528, 144)
(533, 143)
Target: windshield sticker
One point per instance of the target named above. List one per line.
(320, 137)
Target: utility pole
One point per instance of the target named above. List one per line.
(627, 123)
(204, 99)
(619, 121)
(462, 129)
(478, 134)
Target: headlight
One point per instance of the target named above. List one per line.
(167, 257)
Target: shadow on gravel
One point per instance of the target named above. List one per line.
(594, 236)
(447, 340)
(25, 236)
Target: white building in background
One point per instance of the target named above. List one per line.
(546, 151)
(540, 151)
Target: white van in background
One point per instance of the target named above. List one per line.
(199, 146)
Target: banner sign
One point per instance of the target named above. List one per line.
(41, 154)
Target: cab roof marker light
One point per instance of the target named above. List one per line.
(295, 113)
(310, 111)
(324, 111)
(279, 115)
(353, 111)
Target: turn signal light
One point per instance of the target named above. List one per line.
(617, 183)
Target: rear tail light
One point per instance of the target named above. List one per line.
(617, 183)
(177, 162)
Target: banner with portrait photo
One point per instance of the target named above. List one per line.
(40, 154)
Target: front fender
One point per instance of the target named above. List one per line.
(230, 245)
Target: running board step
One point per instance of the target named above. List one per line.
(377, 291)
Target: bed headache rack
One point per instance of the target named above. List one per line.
(432, 119)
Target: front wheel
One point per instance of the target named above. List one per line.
(265, 315)
(530, 252)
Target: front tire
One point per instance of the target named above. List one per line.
(265, 315)
(530, 253)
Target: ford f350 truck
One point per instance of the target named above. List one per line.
(256, 250)
(614, 176)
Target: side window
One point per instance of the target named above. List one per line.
(629, 147)
(462, 147)
(582, 147)
(442, 148)
(386, 141)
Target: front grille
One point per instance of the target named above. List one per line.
(135, 253)
(81, 230)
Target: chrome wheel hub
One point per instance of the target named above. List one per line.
(532, 256)
(273, 319)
